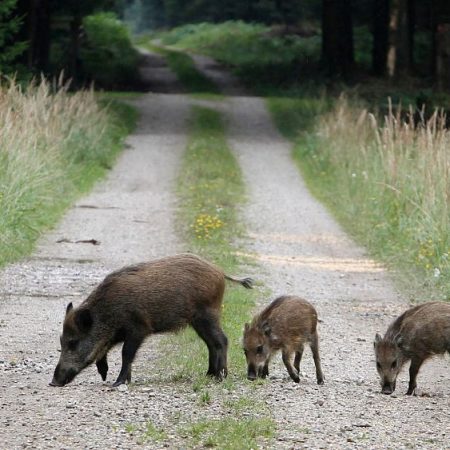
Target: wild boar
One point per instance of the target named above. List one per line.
(154, 297)
(286, 324)
(418, 334)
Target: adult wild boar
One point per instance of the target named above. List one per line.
(418, 334)
(154, 297)
(287, 324)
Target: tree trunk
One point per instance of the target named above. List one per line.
(35, 30)
(337, 37)
(399, 53)
(380, 36)
(443, 56)
(74, 60)
(41, 35)
(441, 43)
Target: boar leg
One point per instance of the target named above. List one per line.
(131, 345)
(207, 327)
(298, 358)
(287, 356)
(413, 371)
(265, 371)
(316, 356)
(102, 366)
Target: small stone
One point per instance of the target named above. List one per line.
(123, 388)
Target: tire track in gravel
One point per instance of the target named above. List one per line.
(131, 213)
(301, 250)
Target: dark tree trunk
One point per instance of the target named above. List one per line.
(337, 37)
(41, 36)
(380, 36)
(36, 31)
(441, 53)
(441, 43)
(74, 57)
(399, 52)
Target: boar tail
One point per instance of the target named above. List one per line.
(246, 282)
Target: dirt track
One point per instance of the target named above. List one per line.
(298, 249)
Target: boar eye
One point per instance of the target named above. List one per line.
(72, 345)
(259, 349)
(394, 364)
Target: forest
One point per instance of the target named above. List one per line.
(381, 38)
(298, 147)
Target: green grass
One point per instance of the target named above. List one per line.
(54, 145)
(385, 182)
(230, 433)
(189, 76)
(262, 61)
(211, 191)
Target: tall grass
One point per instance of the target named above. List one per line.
(388, 179)
(53, 144)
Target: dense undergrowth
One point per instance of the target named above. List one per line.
(383, 173)
(53, 146)
(258, 58)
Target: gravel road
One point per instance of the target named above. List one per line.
(298, 249)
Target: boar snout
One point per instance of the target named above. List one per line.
(256, 372)
(62, 377)
(388, 388)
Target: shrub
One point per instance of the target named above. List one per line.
(107, 55)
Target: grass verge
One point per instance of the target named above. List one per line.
(54, 145)
(183, 66)
(210, 191)
(386, 181)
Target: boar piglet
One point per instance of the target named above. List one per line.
(154, 297)
(416, 335)
(287, 324)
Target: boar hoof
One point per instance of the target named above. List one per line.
(320, 381)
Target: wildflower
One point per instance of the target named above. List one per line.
(437, 272)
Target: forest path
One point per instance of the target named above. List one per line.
(131, 214)
(303, 251)
(298, 249)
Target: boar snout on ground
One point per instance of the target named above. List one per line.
(416, 335)
(156, 297)
(287, 324)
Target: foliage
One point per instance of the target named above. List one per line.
(386, 180)
(257, 57)
(53, 145)
(230, 433)
(10, 49)
(108, 56)
(184, 68)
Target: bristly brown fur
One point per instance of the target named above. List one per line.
(287, 324)
(159, 296)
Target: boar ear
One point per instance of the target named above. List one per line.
(399, 341)
(69, 308)
(267, 330)
(83, 319)
(377, 340)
